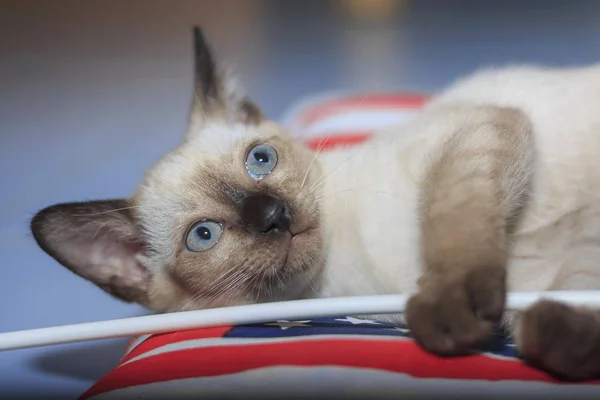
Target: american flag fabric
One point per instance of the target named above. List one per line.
(339, 357)
(328, 121)
(342, 357)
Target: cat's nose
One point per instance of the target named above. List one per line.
(267, 214)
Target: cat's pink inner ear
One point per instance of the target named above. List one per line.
(114, 265)
(99, 241)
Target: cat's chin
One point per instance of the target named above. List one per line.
(291, 279)
(272, 289)
(303, 250)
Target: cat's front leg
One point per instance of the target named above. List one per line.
(472, 193)
(561, 339)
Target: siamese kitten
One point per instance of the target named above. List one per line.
(494, 186)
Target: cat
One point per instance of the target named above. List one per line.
(465, 201)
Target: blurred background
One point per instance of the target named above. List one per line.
(93, 92)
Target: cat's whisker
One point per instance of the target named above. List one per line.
(102, 225)
(220, 287)
(359, 185)
(187, 305)
(228, 273)
(259, 279)
(104, 212)
(320, 147)
(227, 289)
(241, 275)
(360, 103)
(323, 179)
(313, 284)
(244, 279)
(362, 100)
(226, 278)
(263, 275)
(335, 194)
(281, 283)
(199, 103)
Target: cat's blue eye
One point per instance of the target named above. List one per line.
(260, 161)
(203, 235)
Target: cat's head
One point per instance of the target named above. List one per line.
(229, 217)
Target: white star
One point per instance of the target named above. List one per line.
(358, 321)
(288, 324)
(401, 330)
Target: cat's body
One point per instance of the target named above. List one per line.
(494, 186)
(372, 192)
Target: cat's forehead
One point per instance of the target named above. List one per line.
(217, 140)
(212, 155)
(214, 146)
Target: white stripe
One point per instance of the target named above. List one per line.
(366, 120)
(292, 118)
(222, 342)
(297, 110)
(499, 356)
(347, 383)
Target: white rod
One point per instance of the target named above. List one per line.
(248, 314)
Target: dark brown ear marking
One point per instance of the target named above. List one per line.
(214, 93)
(99, 241)
(207, 82)
(251, 113)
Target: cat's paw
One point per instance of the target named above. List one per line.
(561, 339)
(452, 316)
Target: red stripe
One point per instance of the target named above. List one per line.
(353, 103)
(331, 141)
(388, 355)
(163, 339)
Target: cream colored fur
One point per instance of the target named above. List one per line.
(373, 227)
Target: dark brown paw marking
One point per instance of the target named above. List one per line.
(562, 340)
(455, 317)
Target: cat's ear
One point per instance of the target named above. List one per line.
(216, 94)
(99, 241)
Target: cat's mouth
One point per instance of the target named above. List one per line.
(296, 260)
(301, 232)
